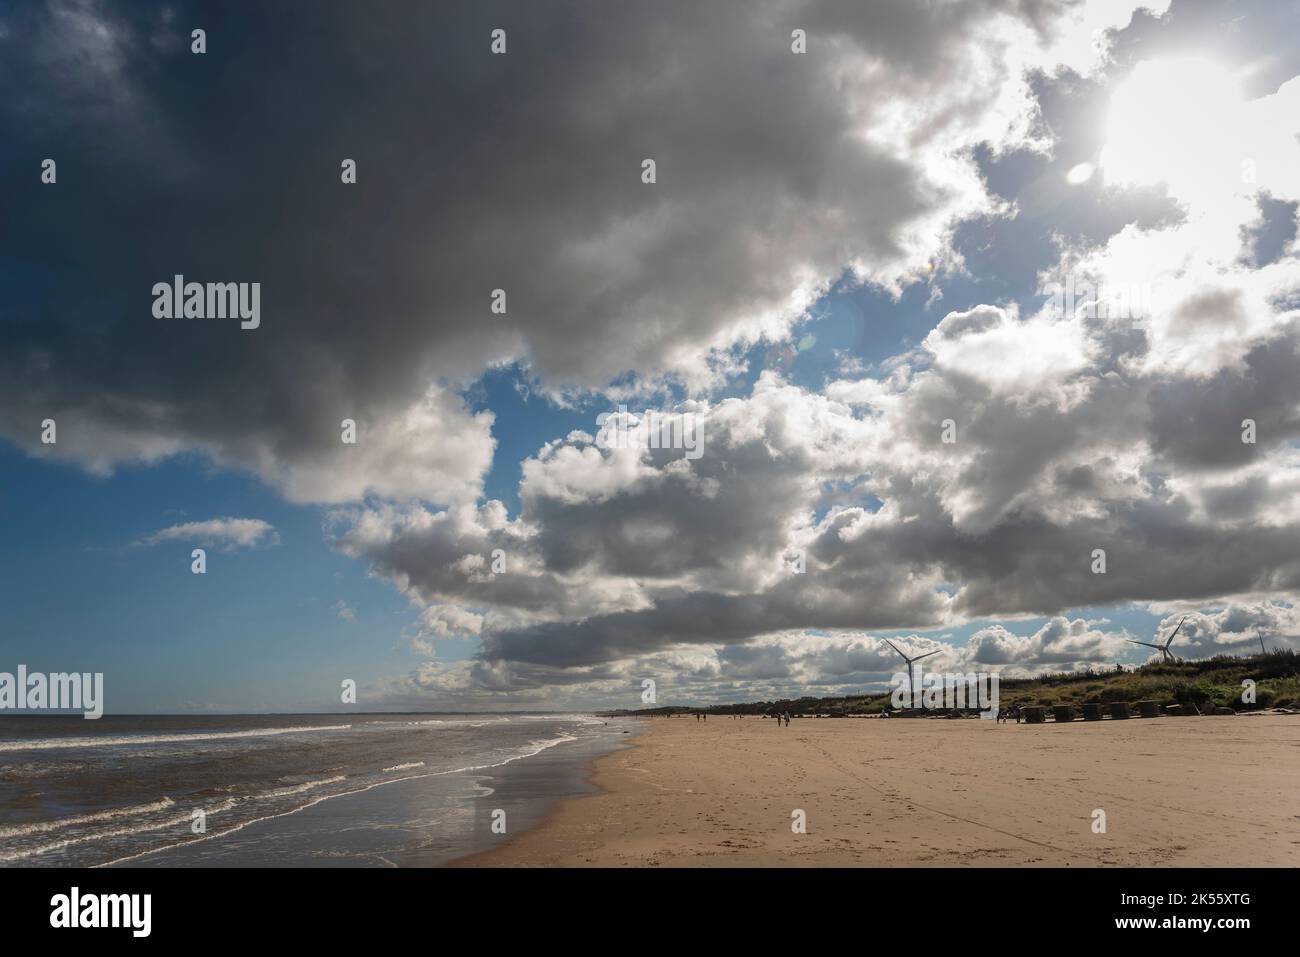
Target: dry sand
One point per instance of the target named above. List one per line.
(1176, 791)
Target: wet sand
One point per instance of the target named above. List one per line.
(1193, 791)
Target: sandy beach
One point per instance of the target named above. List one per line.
(1219, 791)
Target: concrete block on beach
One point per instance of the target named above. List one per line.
(1148, 709)
(1092, 712)
(1062, 712)
(1119, 709)
(1034, 714)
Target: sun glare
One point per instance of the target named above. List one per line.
(1079, 174)
(1167, 123)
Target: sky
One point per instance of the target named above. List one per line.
(975, 326)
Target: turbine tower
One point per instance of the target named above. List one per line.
(1166, 657)
(911, 676)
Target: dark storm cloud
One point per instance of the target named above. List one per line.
(475, 172)
(777, 173)
(710, 618)
(1190, 417)
(1010, 515)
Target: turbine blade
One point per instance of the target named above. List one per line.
(1176, 630)
(927, 654)
(1146, 643)
(895, 647)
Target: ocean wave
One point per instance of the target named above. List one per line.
(45, 744)
(139, 810)
(141, 828)
(299, 788)
(287, 795)
(41, 827)
(535, 747)
(443, 723)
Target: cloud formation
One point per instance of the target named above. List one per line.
(817, 514)
(777, 173)
(1118, 424)
(228, 533)
(781, 665)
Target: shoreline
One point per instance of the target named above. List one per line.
(584, 784)
(881, 793)
(426, 818)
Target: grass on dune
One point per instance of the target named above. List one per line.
(1208, 683)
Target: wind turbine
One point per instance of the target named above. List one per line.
(911, 677)
(1166, 657)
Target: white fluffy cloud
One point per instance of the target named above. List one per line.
(1111, 420)
(228, 533)
(777, 173)
(812, 517)
(782, 665)
(1239, 628)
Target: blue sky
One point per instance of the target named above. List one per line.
(844, 248)
(262, 625)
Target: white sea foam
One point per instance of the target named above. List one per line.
(445, 722)
(176, 821)
(46, 744)
(165, 815)
(41, 827)
(535, 747)
(300, 788)
(100, 817)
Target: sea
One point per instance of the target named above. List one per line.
(378, 790)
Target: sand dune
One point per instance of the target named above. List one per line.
(1175, 791)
